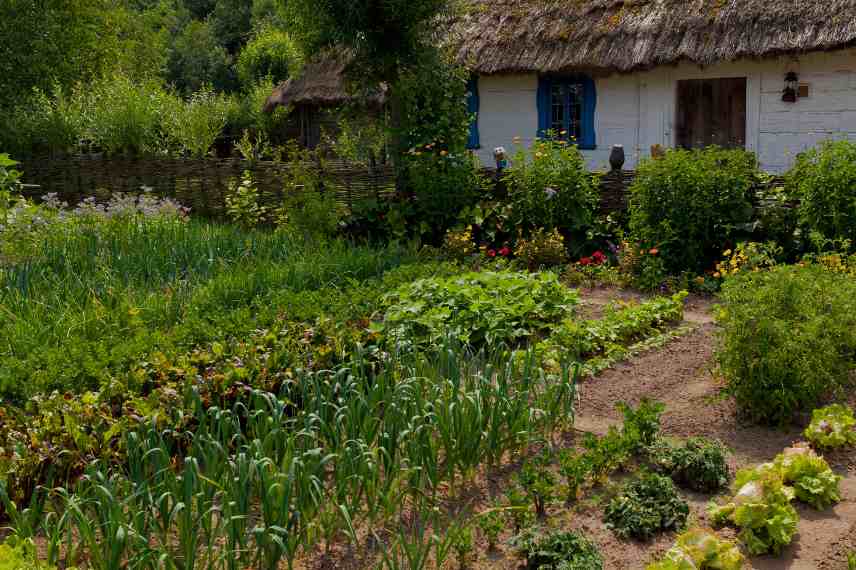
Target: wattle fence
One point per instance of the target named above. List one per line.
(201, 184)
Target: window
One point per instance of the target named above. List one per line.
(473, 110)
(566, 107)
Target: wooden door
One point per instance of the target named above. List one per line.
(711, 112)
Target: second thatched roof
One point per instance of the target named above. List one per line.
(554, 36)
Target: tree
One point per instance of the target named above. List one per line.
(198, 59)
(384, 37)
(54, 41)
(231, 21)
(271, 53)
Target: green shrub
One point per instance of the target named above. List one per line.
(689, 204)
(699, 464)
(478, 308)
(558, 550)
(787, 339)
(10, 184)
(550, 188)
(16, 554)
(831, 427)
(702, 550)
(242, 203)
(442, 184)
(824, 181)
(126, 115)
(51, 123)
(762, 509)
(192, 126)
(645, 507)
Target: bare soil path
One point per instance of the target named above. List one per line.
(681, 375)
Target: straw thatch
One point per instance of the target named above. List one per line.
(501, 36)
(553, 36)
(322, 82)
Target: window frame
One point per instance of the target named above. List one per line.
(585, 86)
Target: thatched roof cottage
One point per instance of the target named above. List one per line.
(773, 76)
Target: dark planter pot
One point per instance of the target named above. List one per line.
(617, 158)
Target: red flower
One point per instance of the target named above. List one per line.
(585, 261)
(654, 251)
(504, 251)
(491, 253)
(598, 257)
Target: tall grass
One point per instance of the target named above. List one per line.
(80, 302)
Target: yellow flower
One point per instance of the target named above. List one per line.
(726, 253)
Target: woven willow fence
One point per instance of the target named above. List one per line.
(200, 184)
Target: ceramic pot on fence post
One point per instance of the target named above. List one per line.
(617, 158)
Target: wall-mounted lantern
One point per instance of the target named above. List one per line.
(792, 85)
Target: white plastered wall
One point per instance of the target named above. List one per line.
(638, 110)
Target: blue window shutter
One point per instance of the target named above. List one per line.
(473, 110)
(589, 140)
(543, 106)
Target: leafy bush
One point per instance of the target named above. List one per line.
(824, 181)
(762, 509)
(549, 188)
(16, 554)
(688, 204)
(645, 507)
(126, 115)
(702, 550)
(458, 244)
(788, 339)
(542, 249)
(539, 483)
(699, 464)
(442, 184)
(557, 550)
(193, 126)
(50, 123)
(831, 427)
(478, 308)
(575, 468)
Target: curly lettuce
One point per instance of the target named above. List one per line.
(831, 427)
(761, 508)
(699, 549)
(809, 474)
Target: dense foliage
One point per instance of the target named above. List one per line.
(557, 550)
(486, 308)
(823, 179)
(699, 464)
(645, 507)
(788, 339)
(689, 204)
(549, 188)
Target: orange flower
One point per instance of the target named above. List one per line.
(654, 251)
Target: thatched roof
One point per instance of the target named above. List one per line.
(499, 36)
(321, 82)
(544, 36)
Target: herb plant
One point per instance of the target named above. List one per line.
(645, 507)
(642, 425)
(557, 550)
